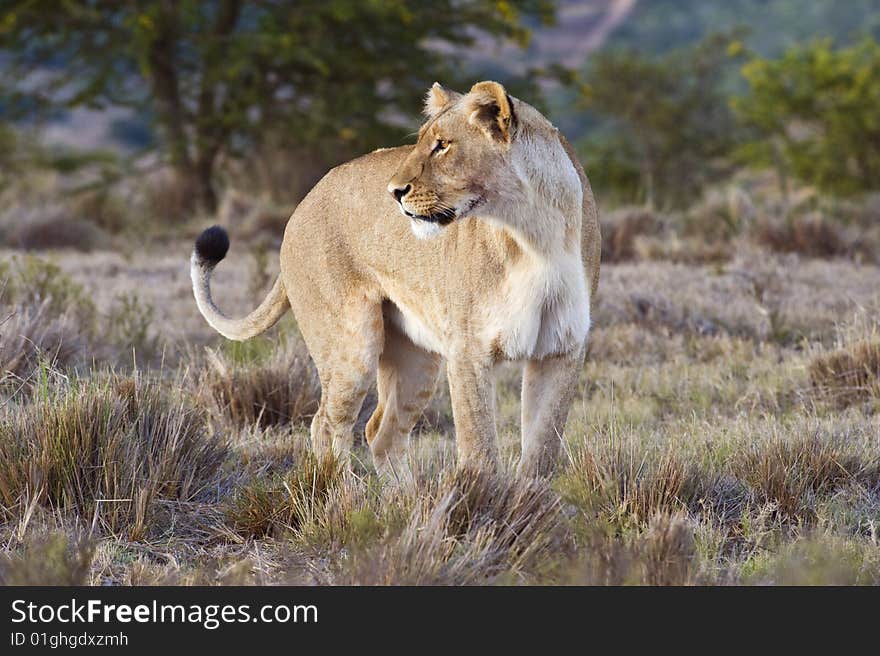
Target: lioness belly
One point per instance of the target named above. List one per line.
(411, 325)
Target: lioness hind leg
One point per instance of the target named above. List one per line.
(406, 381)
(346, 358)
(548, 388)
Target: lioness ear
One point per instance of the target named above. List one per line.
(492, 111)
(437, 98)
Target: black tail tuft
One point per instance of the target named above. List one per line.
(212, 245)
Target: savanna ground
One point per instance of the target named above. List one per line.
(726, 430)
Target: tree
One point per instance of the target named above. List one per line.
(668, 116)
(816, 114)
(215, 74)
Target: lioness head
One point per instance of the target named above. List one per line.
(460, 157)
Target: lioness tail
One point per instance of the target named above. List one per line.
(211, 247)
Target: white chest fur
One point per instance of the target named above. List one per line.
(544, 309)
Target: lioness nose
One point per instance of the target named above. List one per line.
(399, 192)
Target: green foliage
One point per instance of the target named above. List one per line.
(215, 74)
(816, 114)
(774, 25)
(666, 118)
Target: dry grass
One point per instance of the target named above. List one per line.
(471, 528)
(106, 451)
(848, 375)
(284, 503)
(663, 554)
(29, 336)
(282, 388)
(54, 558)
(792, 473)
(624, 483)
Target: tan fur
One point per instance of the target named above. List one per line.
(510, 275)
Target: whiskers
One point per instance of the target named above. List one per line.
(442, 214)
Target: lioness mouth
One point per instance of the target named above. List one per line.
(442, 218)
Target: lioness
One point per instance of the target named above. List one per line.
(495, 257)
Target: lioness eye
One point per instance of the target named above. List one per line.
(440, 145)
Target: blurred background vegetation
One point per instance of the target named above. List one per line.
(160, 109)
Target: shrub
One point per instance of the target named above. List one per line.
(816, 114)
(32, 281)
(620, 229)
(29, 336)
(810, 235)
(102, 209)
(44, 317)
(107, 450)
(129, 322)
(668, 115)
(55, 231)
(51, 559)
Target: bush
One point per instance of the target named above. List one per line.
(30, 336)
(108, 451)
(51, 559)
(810, 235)
(32, 281)
(130, 321)
(668, 117)
(817, 115)
(620, 229)
(102, 209)
(44, 317)
(55, 231)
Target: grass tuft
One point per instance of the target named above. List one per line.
(792, 473)
(848, 375)
(472, 528)
(626, 484)
(106, 450)
(285, 503)
(283, 389)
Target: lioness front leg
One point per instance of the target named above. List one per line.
(548, 388)
(472, 391)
